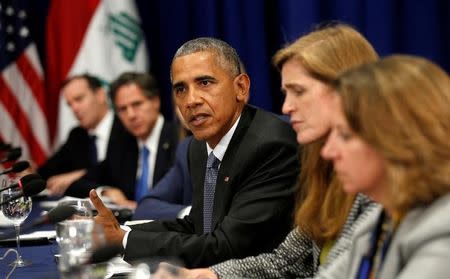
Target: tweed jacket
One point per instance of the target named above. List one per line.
(298, 255)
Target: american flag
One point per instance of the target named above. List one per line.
(23, 120)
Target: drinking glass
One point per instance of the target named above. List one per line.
(16, 210)
(77, 239)
(83, 211)
(3, 221)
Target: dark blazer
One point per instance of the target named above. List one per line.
(120, 165)
(172, 193)
(74, 153)
(253, 198)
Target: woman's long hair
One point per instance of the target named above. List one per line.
(322, 206)
(401, 107)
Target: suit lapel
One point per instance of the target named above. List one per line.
(228, 172)
(164, 157)
(229, 169)
(362, 239)
(129, 166)
(123, 155)
(197, 166)
(117, 131)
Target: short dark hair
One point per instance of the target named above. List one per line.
(94, 83)
(145, 81)
(227, 55)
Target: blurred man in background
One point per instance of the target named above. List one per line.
(139, 161)
(88, 143)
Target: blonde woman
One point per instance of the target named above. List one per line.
(390, 141)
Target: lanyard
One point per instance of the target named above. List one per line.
(372, 261)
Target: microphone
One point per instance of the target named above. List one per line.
(13, 154)
(57, 214)
(24, 181)
(16, 167)
(30, 177)
(32, 188)
(5, 146)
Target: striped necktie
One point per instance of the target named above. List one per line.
(212, 170)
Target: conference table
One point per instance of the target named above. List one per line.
(41, 250)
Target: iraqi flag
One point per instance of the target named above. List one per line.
(100, 37)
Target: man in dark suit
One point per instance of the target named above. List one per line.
(136, 99)
(87, 143)
(242, 201)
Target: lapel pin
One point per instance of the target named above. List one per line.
(226, 178)
(166, 146)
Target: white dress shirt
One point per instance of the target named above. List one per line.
(102, 133)
(151, 143)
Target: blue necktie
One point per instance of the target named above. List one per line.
(92, 149)
(212, 169)
(142, 182)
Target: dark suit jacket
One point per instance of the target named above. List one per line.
(74, 153)
(120, 166)
(253, 198)
(172, 193)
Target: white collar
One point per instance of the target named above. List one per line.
(153, 139)
(103, 128)
(221, 147)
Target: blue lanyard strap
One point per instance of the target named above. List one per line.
(380, 239)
